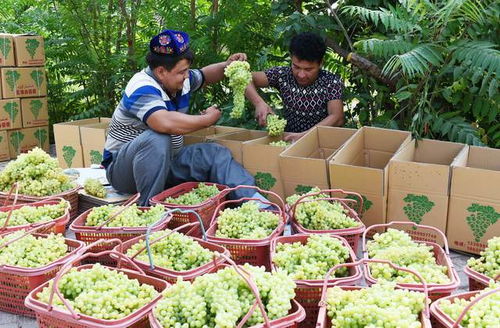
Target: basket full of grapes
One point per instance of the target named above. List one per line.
(425, 257)
(201, 197)
(481, 270)
(27, 260)
(96, 296)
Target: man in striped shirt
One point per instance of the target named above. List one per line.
(144, 149)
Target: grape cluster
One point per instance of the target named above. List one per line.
(321, 214)
(246, 222)
(275, 125)
(417, 206)
(280, 143)
(95, 188)
(30, 251)
(484, 314)
(381, 305)
(239, 76)
(131, 217)
(398, 247)
(176, 252)
(222, 299)
(489, 262)
(101, 293)
(480, 219)
(312, 260)
(32, 214)
(36, 173)
(196, 196)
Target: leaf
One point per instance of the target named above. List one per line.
(492, 89)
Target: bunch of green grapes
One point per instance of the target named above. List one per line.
(101, 293)
(131, 217)
(275, 125)
(312, 260)
(246, 222)
(484, 314)
(380, 305)
(397, 247)
(176, 252)
(239, 76)
(30, 251)
(280, 143)
(95, 188)
(223, 298)
(196, 196)
(36, 173)
(489, 262)
(32, 214)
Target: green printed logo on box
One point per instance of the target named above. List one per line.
(366, 202)
(480, 219)
(15, 139)
(11, 108)
(35, 106)
(417, 206)
(12, 78)
(32, 46)
(37, 76)
(265, 180)
(5, 47)
(68, 155)
(95, 157)
(41, 136)
(302, 189)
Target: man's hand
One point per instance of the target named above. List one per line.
(293, 136)
(234, 57)
(261, 112)
(213, 114)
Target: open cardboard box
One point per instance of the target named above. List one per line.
(474, 207)
(234, 141)
(201, 135)
(419, 181)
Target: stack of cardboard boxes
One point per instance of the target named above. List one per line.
(23, 88)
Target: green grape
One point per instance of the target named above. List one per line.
(36, 173)
(489, 262)
(280, 143)
(275, 125)
(312, 260)
(94, 187)
(31, 214)
(196, 196)
(101, 293)
(131, 217)
(30, 251)
(239, 76)
(176, 252)
(246, 222)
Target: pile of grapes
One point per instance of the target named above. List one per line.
(321, 214)
(489, 262)
(398, 247)
(222, 299)
(280, 143)
(275, 125)
(36, 173)
(95, 188)
(246, 222)
(239, 76)
(30, 251)
(312, 260)
(131, 217)
(176, 252)
(381, 305)
(101, 293)
(483, 314)
(31, 214)
(196, 196)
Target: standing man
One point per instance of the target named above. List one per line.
(144, 149)
(311, 96)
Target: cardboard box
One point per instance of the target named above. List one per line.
(23, 140)
(10, 114)
(203, 134)
(362, 166)
(93, 140)
(235, 140)
(23, 82)
(34, 112)
(304, 164)
(419, 181)
(29, 50)
(4, 146)
(474, 208)
(7, 57)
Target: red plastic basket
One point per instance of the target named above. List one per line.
(253, 251)
(352, 235)
(17, 282)
(205, 210)
(325, 322)
(442, 320)
(442, 258)
(49, 316)
(308, 292)
(477, 281)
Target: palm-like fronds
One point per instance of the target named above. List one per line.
(478, 55)
(382, 16)
(384, 48)
(414, 62)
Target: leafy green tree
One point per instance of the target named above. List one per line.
(417, 206)
(480, 219)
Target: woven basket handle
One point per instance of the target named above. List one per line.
(476, 300)
(304, 199)
(262, 191)
(123, 207)
(358, 200)
(15, 185)
(28, 232)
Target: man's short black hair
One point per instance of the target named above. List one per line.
(168, 62)
(308, 46)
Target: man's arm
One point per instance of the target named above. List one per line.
(262, 109)
(176, 123)
(215, 72)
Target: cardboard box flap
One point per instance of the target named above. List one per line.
(300, 169)
(303, 147)
(384, 139)
(240, 136)
(94, 133)
(349, 178)
(333, 137)
(259, 154)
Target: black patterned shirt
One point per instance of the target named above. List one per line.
(305, 106)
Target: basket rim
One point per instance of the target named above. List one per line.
(442, 317)
(75, 190)
(248, 242)
(164, 194)
(479, 277)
